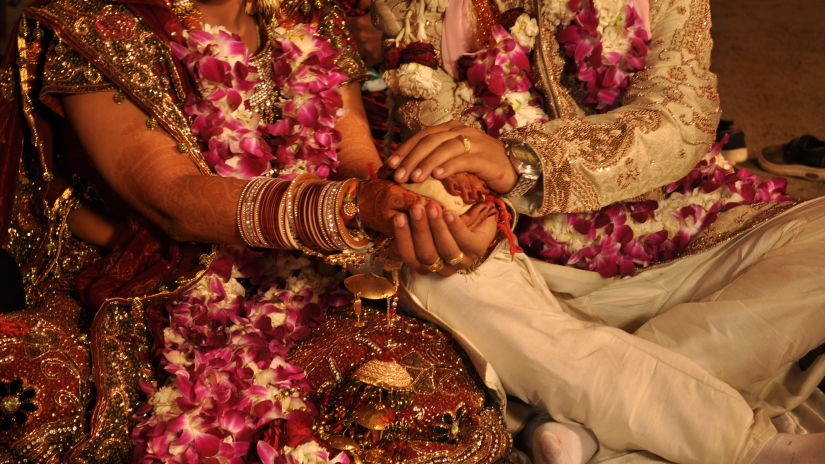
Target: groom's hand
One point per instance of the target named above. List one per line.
(446, 149)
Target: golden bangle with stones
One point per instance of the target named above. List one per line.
(436, 266)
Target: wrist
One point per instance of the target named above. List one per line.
(525, 165)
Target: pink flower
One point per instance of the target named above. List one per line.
(225, 347)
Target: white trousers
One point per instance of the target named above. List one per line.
(687, 360)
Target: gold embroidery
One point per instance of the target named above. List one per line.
(577, 144)
(7, 86)
(334, 27)
(131, 56)
(442, 383)
(122, 336)
(51, 358)
(43, 445)
(266, 94)
(66, 71)
(675, 95)
(28, 54)
(550, 66)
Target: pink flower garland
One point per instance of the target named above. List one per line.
(229, 385)
(236, 143)
(309, 81)
(625, 236)
(605, 75)
(500, 79)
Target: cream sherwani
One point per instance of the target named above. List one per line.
(687, 360)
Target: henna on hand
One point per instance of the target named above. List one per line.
(466, 185)
(380, 200)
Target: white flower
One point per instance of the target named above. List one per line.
(463, 92)
(391, 79)
(172, 337)
(417, 81)
(612, 17)
(178, 358)
(610, 11)
(525, 31)
(557, 12)
(299, 166)
(264, 377)
(308, 453)
(298, 36)
(165, 402)
(526, 112)
(614, 39)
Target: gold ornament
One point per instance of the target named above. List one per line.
(388, 375)
(372, 287)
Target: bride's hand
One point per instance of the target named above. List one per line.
(380, 200)
(441, 151)
(429, 236)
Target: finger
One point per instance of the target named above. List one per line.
(469, 196)
(446, 245)
(431, 144)
(432, 160)
(477, 214)
(403, 199)
(451, 186)
(456, 164)
(476, 241)
(405, 147)
(425, 251)
(403, 242)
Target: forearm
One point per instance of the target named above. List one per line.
(356, 153)
(143, 167)
(197, 208)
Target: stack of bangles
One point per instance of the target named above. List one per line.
(305, 213)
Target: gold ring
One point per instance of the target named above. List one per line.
(436, 266)
(467, 143)
(457, 260)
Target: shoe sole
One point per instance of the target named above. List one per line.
(795, 170)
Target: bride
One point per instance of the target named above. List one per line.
(176, 177)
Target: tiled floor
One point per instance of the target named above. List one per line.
(770, 59)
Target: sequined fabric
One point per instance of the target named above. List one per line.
(452, 418)
(90, 316)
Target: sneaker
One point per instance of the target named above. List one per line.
(801, 157)
(734, 150)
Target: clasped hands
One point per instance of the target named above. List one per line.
(427, 237)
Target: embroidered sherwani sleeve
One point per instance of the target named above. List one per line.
(664, 127)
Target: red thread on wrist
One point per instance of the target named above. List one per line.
(503, 218)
